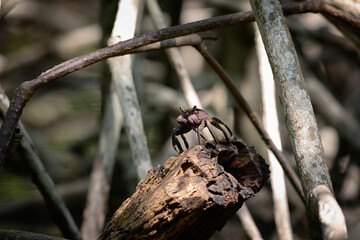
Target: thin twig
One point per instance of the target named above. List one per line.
(25, 91)
(299, 115)
(254, 118)
(271, 122)
(248, 223)
(177, 62)
(342, 16)
(351, 6)
(101, 175)
(345, 22)
(175, 58)
(42, 180)
(7, 6)
(187, 40)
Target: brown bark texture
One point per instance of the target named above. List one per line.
(192, 195)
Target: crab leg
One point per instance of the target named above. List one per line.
(176, 143)
(212, 134)
(185, 142)
(221, 122)
(216, 123)
(198, 135)
(202, 135)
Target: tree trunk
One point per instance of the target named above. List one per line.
(191, 195)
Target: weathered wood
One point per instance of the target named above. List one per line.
(191, 195)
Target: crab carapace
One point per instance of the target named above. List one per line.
(195, 119)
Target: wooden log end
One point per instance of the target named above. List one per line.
(191, 195)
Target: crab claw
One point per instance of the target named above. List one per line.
(193, 119)
(176, 143)
(181, 120)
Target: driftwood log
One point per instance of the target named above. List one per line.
(191, 195)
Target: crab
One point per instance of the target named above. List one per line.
(195, 119)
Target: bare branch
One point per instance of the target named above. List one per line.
(175, 58)
(248, 223)
(348, 24)
(101, 175)
(325, 207)
(6, 6)
(42, 180)
(177, 62)
(187, 40)
(124, 28)
(351, 6)
(297, 108)
(271, 122)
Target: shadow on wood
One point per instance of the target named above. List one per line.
(191, 195)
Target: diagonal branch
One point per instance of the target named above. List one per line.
(351, 6)
(248, 223)
(271, 122)
(59, 212)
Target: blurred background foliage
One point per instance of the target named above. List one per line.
(63, 117)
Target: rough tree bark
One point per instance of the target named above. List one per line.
(191, 195)
(301, 123)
